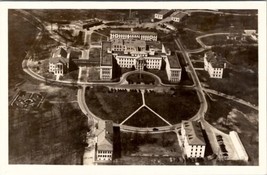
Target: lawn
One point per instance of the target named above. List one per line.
(161, 74)
(181, 105)
(214, 40)
(145, 118)
(247, 129)
(150, 144)
(115, 106)
(140, 78)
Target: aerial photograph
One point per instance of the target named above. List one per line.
(173, 87)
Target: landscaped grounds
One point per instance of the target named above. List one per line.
(181, 105)
(27, 100)
(115, 106)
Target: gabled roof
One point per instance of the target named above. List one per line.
(217, 61)
(105, 135)
(60, 52)
(132, 32)
(56, 60)
(193, 133)
(174, 62)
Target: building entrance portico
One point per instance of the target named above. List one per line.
(140, 63)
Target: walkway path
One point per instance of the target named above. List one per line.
(144, 105)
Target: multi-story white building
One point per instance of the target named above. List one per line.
(127, 52)
(106, 61)
(140, 35)
(214, 64)
(173, 68)
(104, 145)
(162, 14)
(58, 63)
(178, 16)
(192, 139)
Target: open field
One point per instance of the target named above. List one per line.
(208, 22)
(19, 29)
(247, 129)
(181, 105)
(51, 134)
(57, 15)
(115, 106)
(245, 83)
(145, 118)
(243, 58)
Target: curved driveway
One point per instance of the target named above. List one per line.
(81, 91)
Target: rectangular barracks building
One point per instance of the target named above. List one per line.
(126, 53)
(162, 14)
(106, 61)
(139, 35)
(214, 64)
(192, 139)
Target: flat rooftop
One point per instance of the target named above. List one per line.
(132, 32)
(106, 58)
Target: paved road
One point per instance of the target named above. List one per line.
(202, 99)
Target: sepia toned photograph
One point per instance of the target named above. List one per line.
(133, 86)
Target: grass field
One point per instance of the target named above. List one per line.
(182, 105)
(145, 118)
(247, 129)
(143, 78)
(214, 40)
(188, 39)
(115, 106)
